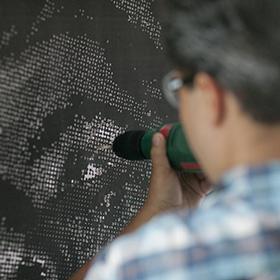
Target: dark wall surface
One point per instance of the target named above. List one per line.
(73, 75)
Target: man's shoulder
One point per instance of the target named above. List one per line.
(234, 234)
(186, 228)
(182, 230)
(192, 244)
(170, 241)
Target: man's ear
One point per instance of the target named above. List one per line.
(212, 96)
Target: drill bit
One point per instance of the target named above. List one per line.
(104, 148)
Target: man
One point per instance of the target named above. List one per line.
(227, 58)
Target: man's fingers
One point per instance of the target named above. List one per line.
(158, 153)
(198, 183)
(200, 176)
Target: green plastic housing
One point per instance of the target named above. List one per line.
(178, 151)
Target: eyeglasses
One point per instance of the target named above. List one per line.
(171, 84)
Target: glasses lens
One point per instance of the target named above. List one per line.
(171, 86)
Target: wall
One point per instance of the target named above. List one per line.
(73, 75)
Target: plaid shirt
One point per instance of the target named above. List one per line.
(235, 234)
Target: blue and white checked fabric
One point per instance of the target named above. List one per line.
(235, 234)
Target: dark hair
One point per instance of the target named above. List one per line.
(237, 42)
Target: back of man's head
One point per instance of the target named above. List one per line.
(237, 42)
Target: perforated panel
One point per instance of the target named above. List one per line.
(73, 75)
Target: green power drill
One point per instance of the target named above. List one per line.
(137, 145)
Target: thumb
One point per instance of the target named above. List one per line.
(158, 153)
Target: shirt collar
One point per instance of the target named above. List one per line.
(230, 177)
(242, 180)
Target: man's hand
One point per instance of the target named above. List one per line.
(170, 189)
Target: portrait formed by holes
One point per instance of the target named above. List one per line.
(73, 76)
